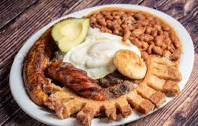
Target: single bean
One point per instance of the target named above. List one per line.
(144, 46)
(108, 17)
(154, 32)
(128, 27)
(137, 25)
(167, 40)
(135, 41)
(109, 24)
(172, 35)
(165, 27)
(149, 50)
(166, 34)
(92, 20)
(117, 17)
(144, 22)
(171, 32)
(130, 13)
(102, 22)
(177, 43)
(178, 52)
(97, 26)
(138, 32)
(151, 42)
(116, 26)
(146, 37)
(144, 55)
(158, 40)
(149, 17)
(164, 46)
(124, 17)
(139, 16)
(129, 20)
(105, 13)
(160, 32)
(119, 21)
(99, 16)
(104, 29)
(152, 22)
(116, 32)
(124, 26)
(126, 36)
(157, 21)
(158, 27)
(148, 29)
(157, 50)
(120, 12)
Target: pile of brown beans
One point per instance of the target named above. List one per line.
(148, 32)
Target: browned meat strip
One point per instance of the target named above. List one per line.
(75, 79)
(112, 79)
(118, 89)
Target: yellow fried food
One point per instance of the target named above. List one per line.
(129, 64)
(34, 65)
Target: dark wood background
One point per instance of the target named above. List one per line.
(19, 19)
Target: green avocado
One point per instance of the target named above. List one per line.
(70, 32)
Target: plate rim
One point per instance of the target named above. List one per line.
(20, 57)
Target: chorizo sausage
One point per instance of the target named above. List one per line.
(75, 79)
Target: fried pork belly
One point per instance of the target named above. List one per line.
(163, 75)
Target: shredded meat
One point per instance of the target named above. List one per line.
(115, 85)
(119, 89)
(112, 79)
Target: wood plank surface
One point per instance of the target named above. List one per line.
(20, 19)
(13, 8)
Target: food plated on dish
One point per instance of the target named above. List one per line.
(108, 63)
(111, 61)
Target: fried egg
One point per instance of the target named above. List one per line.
(95, 54)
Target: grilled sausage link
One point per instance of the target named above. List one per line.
(75, 79)
(35, 63)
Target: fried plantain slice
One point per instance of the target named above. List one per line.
(35, 63)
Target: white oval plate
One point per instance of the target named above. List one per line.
(21, 97)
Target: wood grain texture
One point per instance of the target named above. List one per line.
(25, 18)
(13, 8)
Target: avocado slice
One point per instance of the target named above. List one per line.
(70, 32)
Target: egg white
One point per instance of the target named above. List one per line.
(95, 54)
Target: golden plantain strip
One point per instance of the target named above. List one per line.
(34, 64)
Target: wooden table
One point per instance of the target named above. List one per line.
(19, 19)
